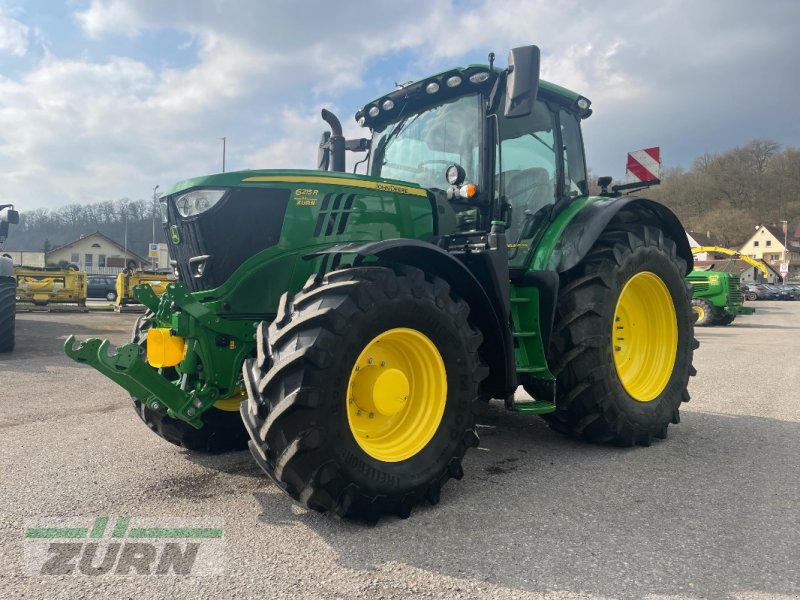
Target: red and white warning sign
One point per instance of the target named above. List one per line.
(643, 165)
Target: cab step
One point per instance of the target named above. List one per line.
(536, 407)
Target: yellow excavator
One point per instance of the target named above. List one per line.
(733, 254)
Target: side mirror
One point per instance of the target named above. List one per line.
(522, 83)
(12, 217)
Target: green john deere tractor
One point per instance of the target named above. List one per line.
(716, 297)
(8, 282)
(360, 323)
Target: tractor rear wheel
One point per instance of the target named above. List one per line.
(704, 312)
(8, 313)
(363, 396)
(623, 340)
(222, 430)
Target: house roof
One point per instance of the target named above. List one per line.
(702, 239)
(731, 265)
(776, 231)
(104, 237)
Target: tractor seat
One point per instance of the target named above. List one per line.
(530, 190)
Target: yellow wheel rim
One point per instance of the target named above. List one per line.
(645, 336)
(396, 395)
(699, 312)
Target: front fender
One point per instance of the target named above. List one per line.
(497, 349)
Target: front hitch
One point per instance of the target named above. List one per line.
(127, 369)
(210, 368)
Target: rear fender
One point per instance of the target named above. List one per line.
(585, 228)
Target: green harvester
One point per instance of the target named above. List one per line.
(717, 297)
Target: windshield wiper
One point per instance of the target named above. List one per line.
(545, 144)
(398, 128)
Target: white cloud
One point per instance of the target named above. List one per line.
(680, 74)
(110, 17)
(13, 35)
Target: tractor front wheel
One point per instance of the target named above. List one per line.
(363, 396)
(623, 340)
(704, 312)
(222, 429)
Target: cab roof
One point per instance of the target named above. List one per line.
(474, 77)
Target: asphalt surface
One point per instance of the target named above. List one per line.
(710, 512)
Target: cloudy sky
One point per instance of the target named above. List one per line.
(104, 99)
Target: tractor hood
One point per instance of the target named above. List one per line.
(214, 224)
(294, 178)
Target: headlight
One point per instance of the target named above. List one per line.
(162, 207)
(197, 201)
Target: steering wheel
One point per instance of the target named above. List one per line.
(425, 164)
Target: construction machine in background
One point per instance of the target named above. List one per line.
(43, 286)
(129, 279)
(717, 297)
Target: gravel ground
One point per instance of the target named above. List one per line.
(711, 512)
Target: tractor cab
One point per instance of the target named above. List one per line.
(485, 142)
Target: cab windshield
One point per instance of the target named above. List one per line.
(419, 147)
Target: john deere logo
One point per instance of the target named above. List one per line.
(174, 234)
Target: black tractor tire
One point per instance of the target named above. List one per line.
(725, 319)
(222, 430)
(300, 398)
(8, 314)
(592, 402)
(704, 312)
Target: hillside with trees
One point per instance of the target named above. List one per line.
(43, 228)
(730, 193)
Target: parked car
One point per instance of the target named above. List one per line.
(792, 292)
(759, 291)
(102, 286)
(780, 292)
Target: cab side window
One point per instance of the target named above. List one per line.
(527, 173)
(574, 164)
